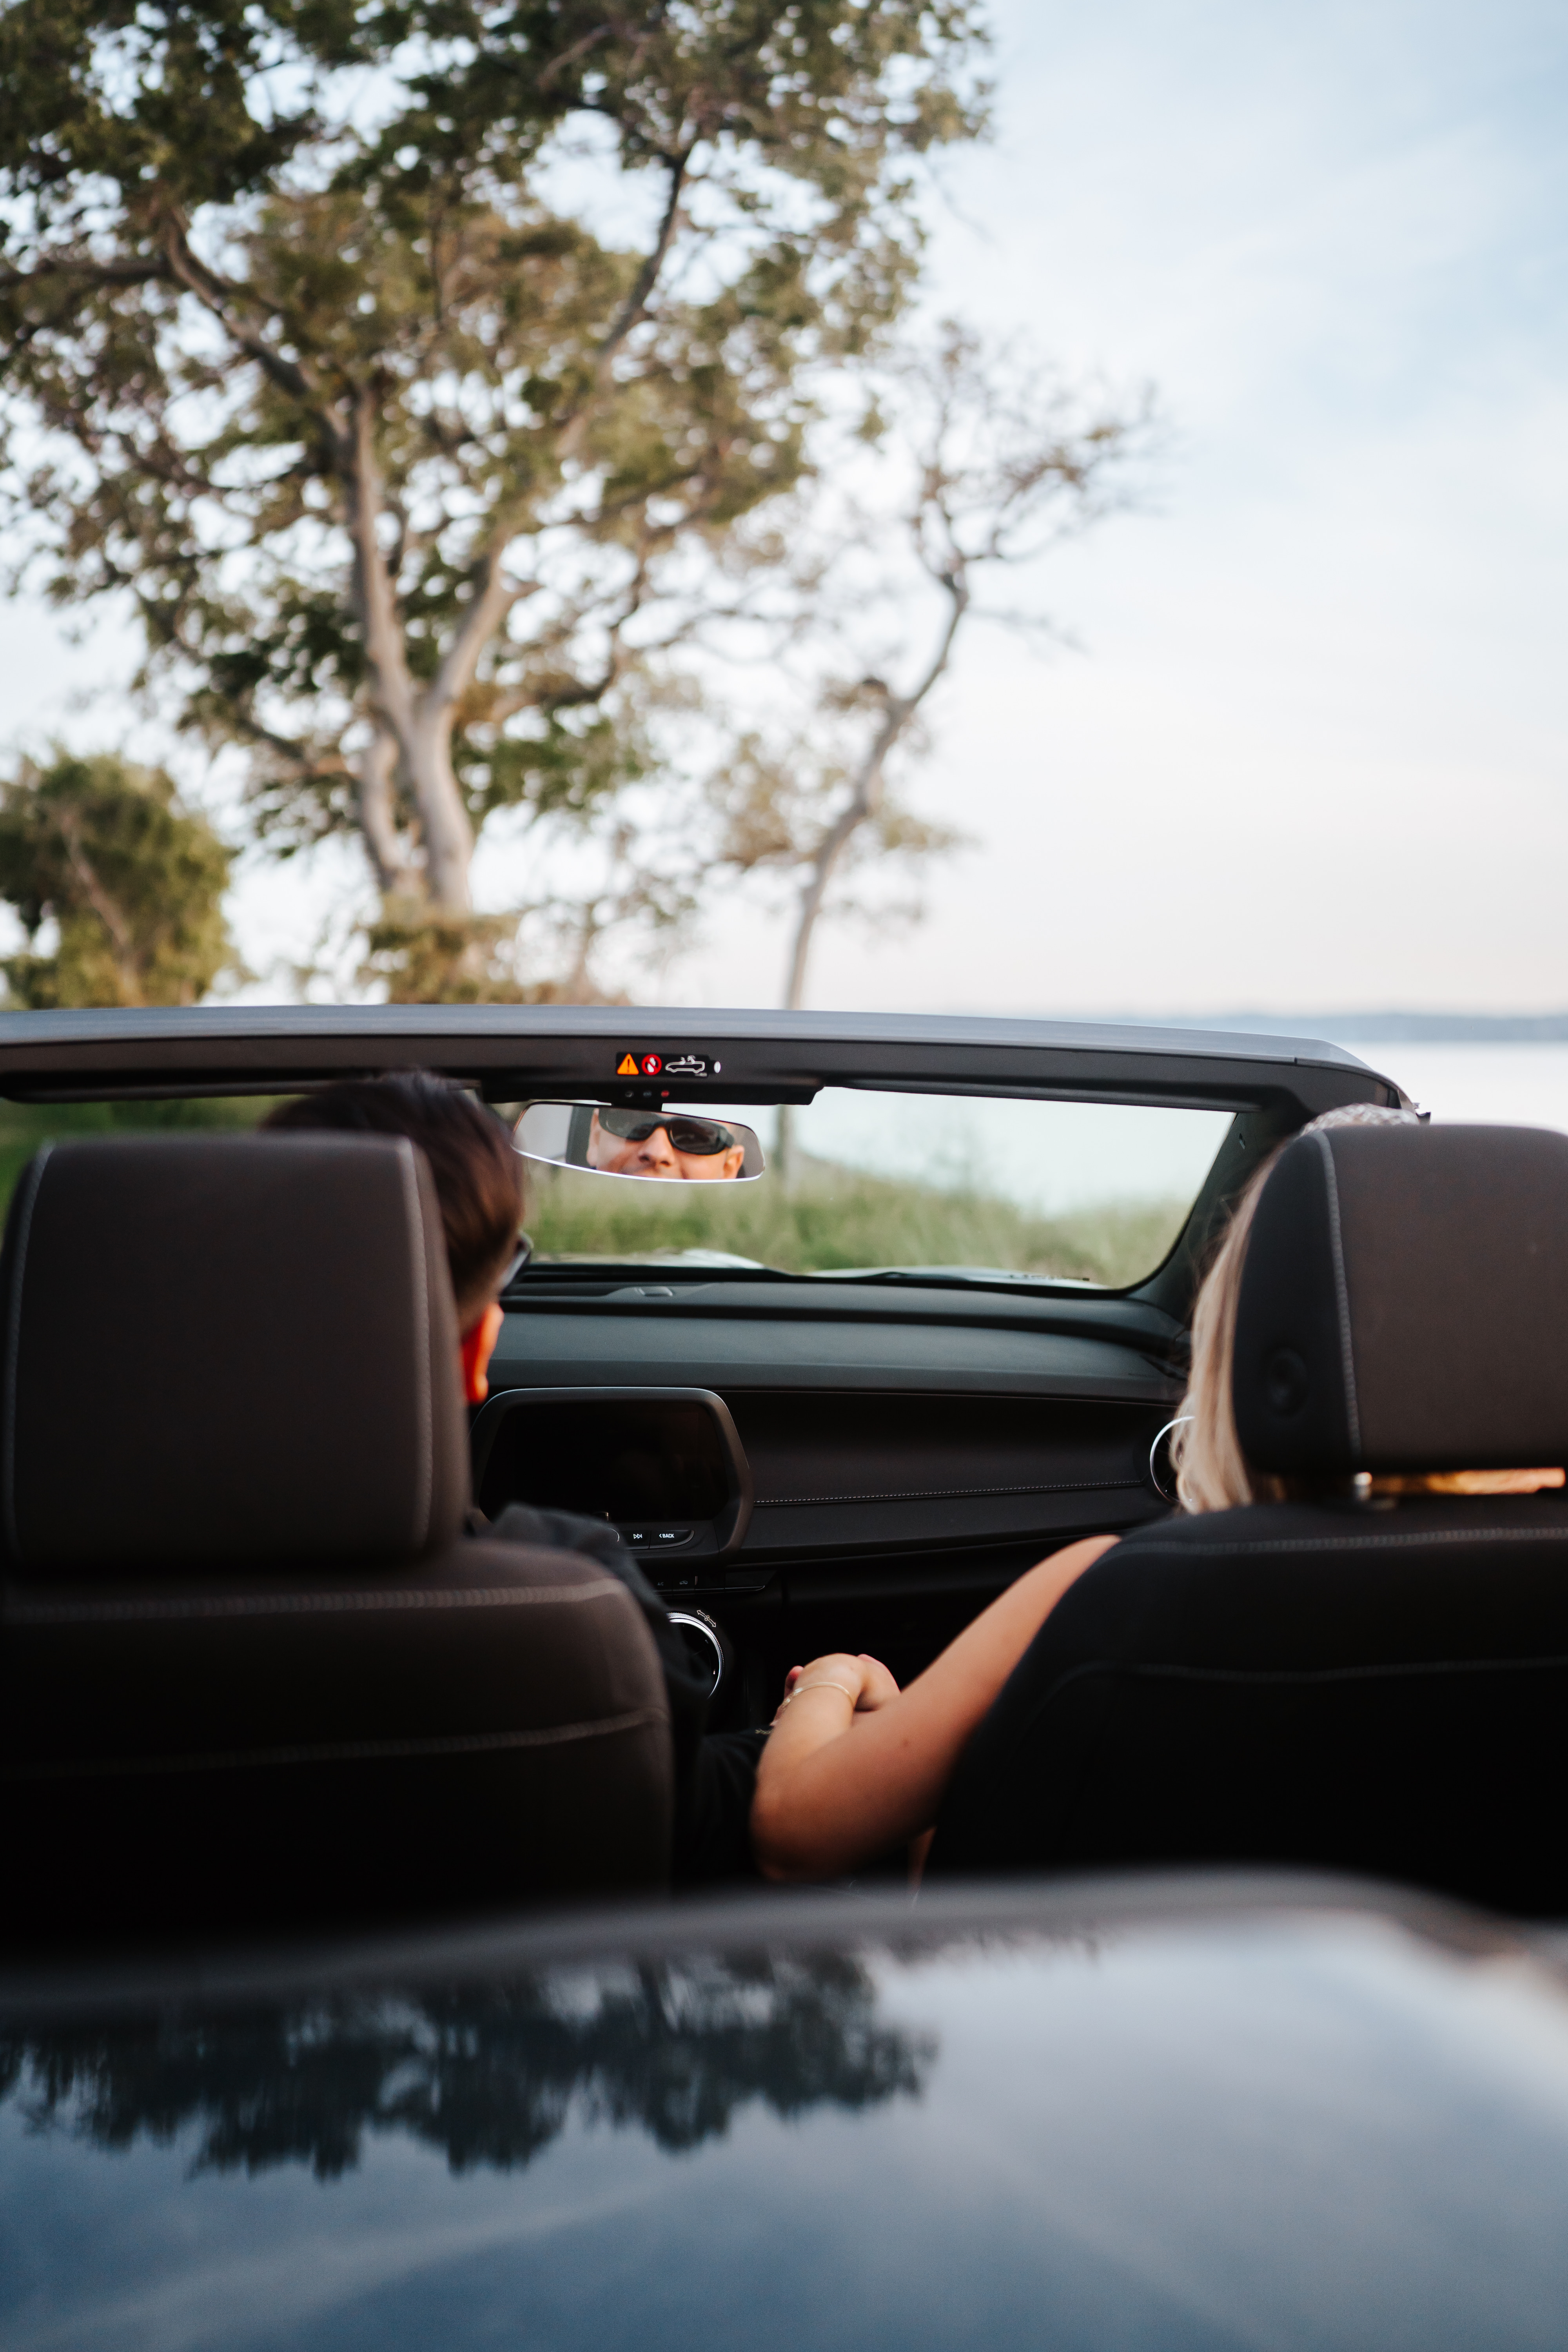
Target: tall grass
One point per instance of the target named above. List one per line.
(829, 1218)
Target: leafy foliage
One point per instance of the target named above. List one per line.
(132, 881)
(414, 473)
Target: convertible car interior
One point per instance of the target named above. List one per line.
(933, 1326)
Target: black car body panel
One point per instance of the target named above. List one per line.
(1147, 2114)
(536, 1048)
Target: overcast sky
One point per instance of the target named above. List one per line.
(1314, 752)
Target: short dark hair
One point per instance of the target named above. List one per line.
(478, 1177)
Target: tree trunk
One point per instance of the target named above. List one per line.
(864, 802)
(866, 797)
(444, 821)
(375, 770)
(783, 1147)
(418, 723)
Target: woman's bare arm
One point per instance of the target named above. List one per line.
(849, 1771)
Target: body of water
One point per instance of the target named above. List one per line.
(1492, 1085)
(1052, 1159)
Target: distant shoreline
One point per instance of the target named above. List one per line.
(1372, 1028)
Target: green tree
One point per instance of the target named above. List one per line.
(132, 882)
(411, 367)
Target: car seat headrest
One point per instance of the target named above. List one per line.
(227, 1348)
(1404, 1303)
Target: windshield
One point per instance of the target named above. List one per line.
(863, 1182)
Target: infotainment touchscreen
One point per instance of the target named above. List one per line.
(610, 1458)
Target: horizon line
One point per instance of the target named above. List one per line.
(1386, 1027)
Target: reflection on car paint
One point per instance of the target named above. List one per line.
(1319, 2127)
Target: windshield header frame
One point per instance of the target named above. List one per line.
(1272, 1085)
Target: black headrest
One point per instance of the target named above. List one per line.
(226, 1348)
(1404, 1303)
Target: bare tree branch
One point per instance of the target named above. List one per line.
(866, 794)
(220, 299)
(494, 598)
(633, 309)
(1005, 464)
(86, 270)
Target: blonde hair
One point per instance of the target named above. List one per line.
(1212, 1472)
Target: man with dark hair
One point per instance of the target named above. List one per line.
(478, 1185)
(478, 1177)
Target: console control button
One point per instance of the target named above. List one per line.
(656, 1538)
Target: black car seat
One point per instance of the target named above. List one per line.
(1360, 1683)
(250, 1667)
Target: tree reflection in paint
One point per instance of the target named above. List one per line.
(489, 2075)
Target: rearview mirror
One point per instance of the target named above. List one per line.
(669, 1145)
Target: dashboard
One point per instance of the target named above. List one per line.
(887, 1462)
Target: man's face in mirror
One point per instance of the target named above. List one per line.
(655, 1155)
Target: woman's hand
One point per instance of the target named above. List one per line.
(879, 1687)
(826, 1803)
(865, 1681)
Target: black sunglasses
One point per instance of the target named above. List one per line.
(701, 1138)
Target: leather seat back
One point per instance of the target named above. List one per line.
(250, 1667)
(1357, 1683)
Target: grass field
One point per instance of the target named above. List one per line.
(828, 1217)
(832, 1217)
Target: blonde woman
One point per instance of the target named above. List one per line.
(855, 1766)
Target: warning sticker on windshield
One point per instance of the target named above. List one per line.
(654, 1066)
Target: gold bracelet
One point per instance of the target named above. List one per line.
(827, 1682)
